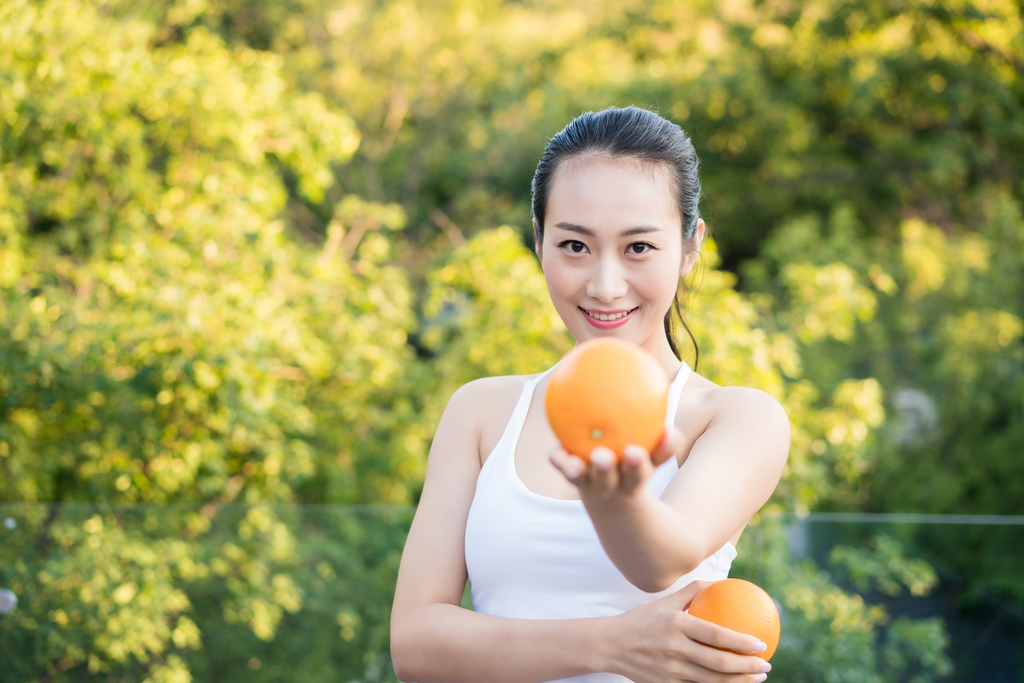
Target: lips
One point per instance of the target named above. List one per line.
(607, 317)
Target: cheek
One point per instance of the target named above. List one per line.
(561, 283)
(659, 284)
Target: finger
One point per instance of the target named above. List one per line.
(724, 661)
(604, 471)
(703, 674)
(670, 446)
(636, 467)
(722, 638)
(573, 468)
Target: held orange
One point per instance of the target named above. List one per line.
(607, 392)
(742, 607)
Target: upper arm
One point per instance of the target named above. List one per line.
(733, 467)
(433, 567)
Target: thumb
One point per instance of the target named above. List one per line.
(682, 598)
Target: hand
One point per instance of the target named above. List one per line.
(659, 642)
(604, 477)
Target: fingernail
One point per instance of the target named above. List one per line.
(572, 469)
(602, 458)
(759, 646)
(760, 678)
(634, 454)
(766, 667)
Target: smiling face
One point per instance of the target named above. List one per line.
(612, 250)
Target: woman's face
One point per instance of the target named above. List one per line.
(612, 250)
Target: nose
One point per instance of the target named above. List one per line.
(607, 281)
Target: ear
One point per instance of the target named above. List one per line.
(537, 240)
(690, 256)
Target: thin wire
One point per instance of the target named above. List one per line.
(155, 507)
(369, 508)
(906, 518)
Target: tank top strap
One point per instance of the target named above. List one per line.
(675, 389)
(506, 446)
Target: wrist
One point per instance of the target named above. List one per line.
(602, 652)
(618, 504)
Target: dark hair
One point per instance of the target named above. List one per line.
(635, 133)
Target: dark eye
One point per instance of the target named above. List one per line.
(639, 248)
(575, 246)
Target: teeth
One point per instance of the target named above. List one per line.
(606, 317)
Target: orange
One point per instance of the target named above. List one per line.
(743, 607)
(607, 392)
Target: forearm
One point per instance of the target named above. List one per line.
(651, 543)
(448, 644)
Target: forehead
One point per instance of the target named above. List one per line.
(599, 191)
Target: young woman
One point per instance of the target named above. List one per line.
(583, 571)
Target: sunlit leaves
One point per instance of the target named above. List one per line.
(488, 312)
(190, 352)
(882, 566)
(827, 301)
(110, 135)
(165, 338)
(832, 633)
(104, 600)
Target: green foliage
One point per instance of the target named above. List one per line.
(176, 593)
(98, 600)
(190, 349)
(166, 339)
(340, 564)
(829, 634)
(488, 313)
(944, 347)
(882, 567)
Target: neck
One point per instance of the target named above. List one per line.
(659, 347)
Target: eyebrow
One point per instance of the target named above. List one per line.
(638, 230)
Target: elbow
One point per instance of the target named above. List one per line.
(402, 673)
(659, 577)
(402, 655)
(405, 668)
(398, 664)
(653, 586)
(417, 651)
(657, 582)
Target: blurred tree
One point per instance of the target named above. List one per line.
(891, 108)
(165, 338)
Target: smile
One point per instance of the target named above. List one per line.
(607, 320)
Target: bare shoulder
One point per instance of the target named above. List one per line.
(483, 396)
(490, 388)
(731, 402)
(754, 414)
(481, 409)
(739, 449)
(742, 412)
(745, 403)
(454, 461)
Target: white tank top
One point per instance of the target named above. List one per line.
(534, 557)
